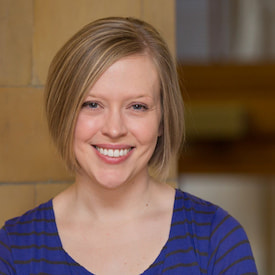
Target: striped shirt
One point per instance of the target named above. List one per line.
(203, 239)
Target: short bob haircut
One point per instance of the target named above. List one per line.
(85, 57)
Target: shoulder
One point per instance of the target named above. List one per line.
(202, 209)
(41, 213)
(29, 226)
(204, 214)
(200, 218)
(19, 233)
(31, 223)
(195, 207)
(214, 229)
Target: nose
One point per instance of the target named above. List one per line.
(114, 124)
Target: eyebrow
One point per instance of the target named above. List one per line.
(128, 97)
(142, 96)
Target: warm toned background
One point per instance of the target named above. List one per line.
(31, 32)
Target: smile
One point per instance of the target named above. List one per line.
(114, 153)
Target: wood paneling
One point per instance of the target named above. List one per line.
(253, 88)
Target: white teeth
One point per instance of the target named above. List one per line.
(113, 153)
(110, 153)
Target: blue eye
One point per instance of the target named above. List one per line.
(91, 105)
(140, 107)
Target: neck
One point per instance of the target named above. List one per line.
(101, 203)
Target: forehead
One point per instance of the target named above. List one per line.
(134, 74)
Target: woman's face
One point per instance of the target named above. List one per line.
(118, 124)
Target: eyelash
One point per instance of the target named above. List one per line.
(135, 107)
(90, 105)
(139, 107)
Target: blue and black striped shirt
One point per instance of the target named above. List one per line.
(203, 239)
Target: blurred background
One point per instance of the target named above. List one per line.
(225, 51)
(226, 60)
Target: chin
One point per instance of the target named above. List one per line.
(111, 185)
(112, 182)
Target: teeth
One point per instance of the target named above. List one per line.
(110, 153)
(113, 153)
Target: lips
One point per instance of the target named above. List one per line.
(114, 153)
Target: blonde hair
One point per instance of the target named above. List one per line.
(83, 59)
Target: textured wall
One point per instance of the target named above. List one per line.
(31, 31)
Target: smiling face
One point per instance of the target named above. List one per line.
(119, 123)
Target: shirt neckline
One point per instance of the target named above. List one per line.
(159, 258)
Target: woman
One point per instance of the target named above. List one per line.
(115, 112)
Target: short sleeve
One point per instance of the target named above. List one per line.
(6, 265)
(230, 250)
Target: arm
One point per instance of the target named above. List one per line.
(6, 263)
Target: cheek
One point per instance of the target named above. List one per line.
(145, 131)
(85, 127)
